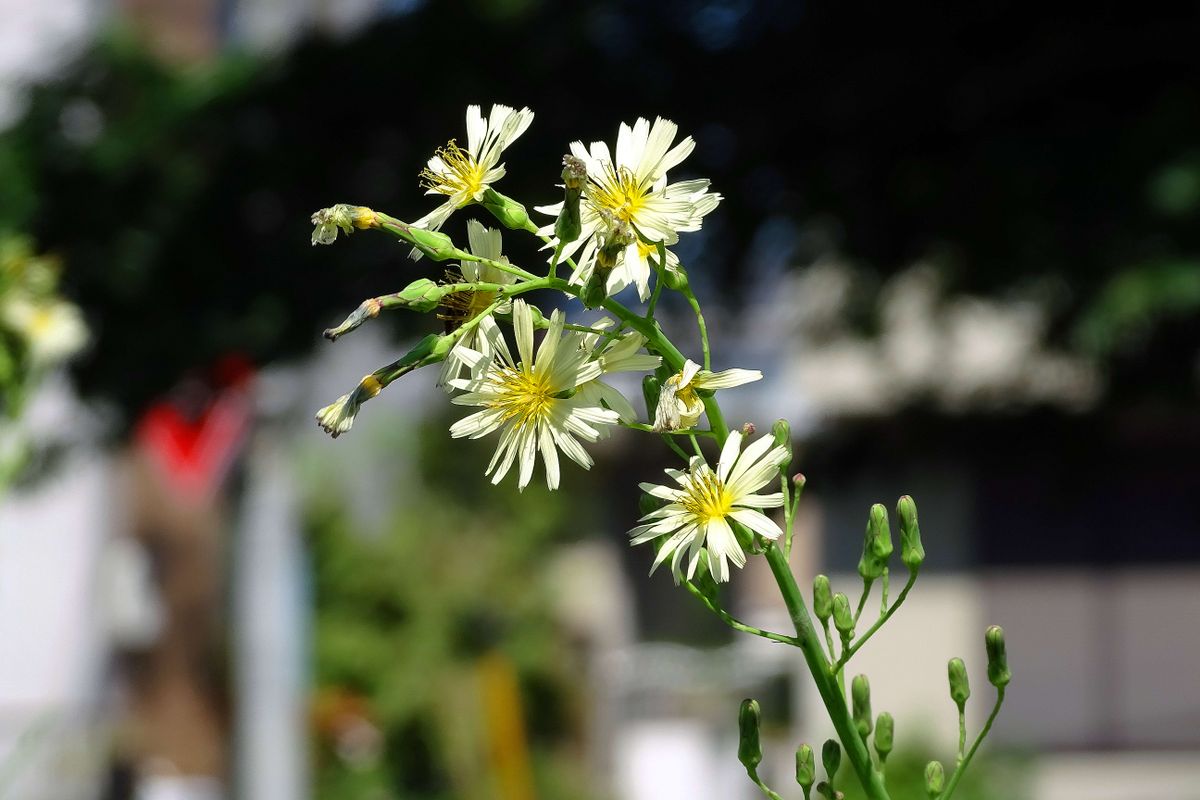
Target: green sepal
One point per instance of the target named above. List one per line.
(510, 213)
(843, 616)
(935, 779)
(806, 766)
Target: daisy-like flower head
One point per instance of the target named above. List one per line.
(532, 400)
(679, 404)
(461, 307)
(699, 509)
(462, 176)
(633, 188)
(53, 330)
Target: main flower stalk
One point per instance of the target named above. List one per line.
(618, 215)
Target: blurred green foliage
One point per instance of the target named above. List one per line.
(410, 616)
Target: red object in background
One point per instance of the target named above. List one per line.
(196, 450)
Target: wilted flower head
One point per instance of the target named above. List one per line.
(679, 404)
(328, 221)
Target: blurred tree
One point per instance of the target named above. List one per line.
(1010, 147)
(440, 670)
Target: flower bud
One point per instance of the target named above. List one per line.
(877, 544)
(822, 598)
(860, 701)
(509, 212)
(885, 734)
(843, 617)
(997, 668)
(435, 244)
(783, 438)
(960, 687)
(912, 553)
(806, 767)
(749, 747)
(568, 226)
(595, 291)
(831, 757)
(935, 778)
(675, 278)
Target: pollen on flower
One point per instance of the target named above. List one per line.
(462, 174)
(706, 498)
(619, 192)
(522, 395)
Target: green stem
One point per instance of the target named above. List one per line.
(553, 273)
(753, 773)
(962, 734)
(966, 762)
(654, 295)
(733, 622)
(824, 678)
(640, 426)
(832, 696)
(695, 304)
(862, 601)
(847, 655)
(503, 267)
(679, 451)
(829, 641)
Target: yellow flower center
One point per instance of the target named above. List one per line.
(684, 394)
(522, 395)
(463, 173)
(41, 322)
(707, 498)
(620, 193)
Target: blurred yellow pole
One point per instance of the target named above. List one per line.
(507, 747)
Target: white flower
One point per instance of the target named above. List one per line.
(525, 399)
(622, 353)
(633, 188)
(462, 307)
(53, 330)
(679, 406)
(699, 510)
(462, 176)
